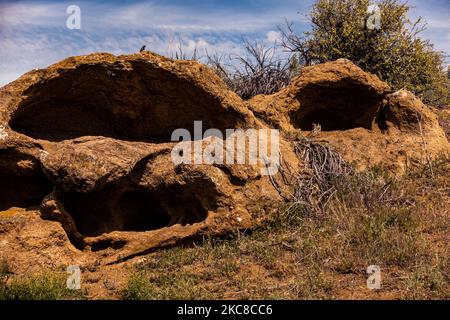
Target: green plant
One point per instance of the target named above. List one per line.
(394, 51)
(320, 250)
(45, 285)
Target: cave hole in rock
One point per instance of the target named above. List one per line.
(343, 107)
(22, 189)
(143, 103)
(136, 210)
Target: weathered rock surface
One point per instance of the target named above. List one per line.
(136, 97)
(337, 95)
(86, 170)
(87, 144)
(358, 115)
(30, 243)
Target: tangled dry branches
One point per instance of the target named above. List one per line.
(328, 176)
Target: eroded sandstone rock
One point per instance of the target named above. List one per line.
(88, 145)
(358, 115)
(86, 152)
(337, 95)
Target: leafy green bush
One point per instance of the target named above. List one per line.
(394, 51)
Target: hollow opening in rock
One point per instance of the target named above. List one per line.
(22, 191)
(336, 107)
(143, 103)
(128, 209)
(99, 212)
(22, 182)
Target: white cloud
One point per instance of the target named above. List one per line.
(273, 36)
(22, 52)
(151, 15)
(140, 16)
(20, 14)
(34, 35)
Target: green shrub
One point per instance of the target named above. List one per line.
(43, 286)
(394, 52)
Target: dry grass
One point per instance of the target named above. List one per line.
(443, 115)
(45, 285)
(317, 247)
(259, 70)
(367, 219)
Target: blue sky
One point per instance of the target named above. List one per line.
(33, 34)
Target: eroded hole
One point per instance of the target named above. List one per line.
(142, 104)
(63, 119)
(22, 182)
(103, 212)
(140, 211)
(119, 209)
(345, 107)
(22, 191)
(103, 245)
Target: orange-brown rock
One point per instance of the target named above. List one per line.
(357, 114)
(86, 170)
(87, 143)
(337, 95)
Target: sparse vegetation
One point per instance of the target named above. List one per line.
(398, 224)
(5, 270)
(45, 285)
(259, 70)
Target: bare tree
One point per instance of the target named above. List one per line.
(295, 43)
(258, 71)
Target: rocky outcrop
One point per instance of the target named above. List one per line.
(87, 143)
(337, 95)
(409, 137)
(357, 114)
(141, 97)
(86, 157)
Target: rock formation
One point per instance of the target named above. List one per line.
(86, 172)
(87, 143)
(358, 115)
